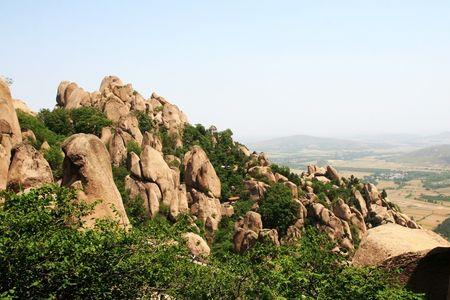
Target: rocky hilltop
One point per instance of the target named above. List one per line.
(116, 148)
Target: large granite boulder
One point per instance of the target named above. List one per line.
(199, 173)
(87, 164)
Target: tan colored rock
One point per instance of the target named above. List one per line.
(391, 240)
(130, 125)
(196, 244)
(361, 202)
(21, 105)
(45, 146)
(264, 171)
(199, 173)
(152, 140)
(28, 169)
(256, 189)
(292, 187)
(244, 150)
(9, 124)
(5, 157)
(115, 109)
(206, 209)
(134, 164)
(106, 135)
(70, 96)
(342, 210)
(28, 136)
(323, 179)
(269, 236)
(372, 192)
(227, 209)
(333, 175)
(246, 231)
(280, 178)
(117, 149)
(155, 169)
(316, 171)
(87, 160)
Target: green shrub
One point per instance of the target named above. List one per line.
(55, 158)
(44, 254)
(146, 123)
(41, 132)
(277, 209)
(88, 120)
(57, 120)
(133, 146)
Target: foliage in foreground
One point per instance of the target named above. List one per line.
(45, 254)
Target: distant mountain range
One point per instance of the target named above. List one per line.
(298, 143)
(439, 154)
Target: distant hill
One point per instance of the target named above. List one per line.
(296, 143)
(439, 154)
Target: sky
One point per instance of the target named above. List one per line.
(262, 68)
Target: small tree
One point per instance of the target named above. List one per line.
(277, 209)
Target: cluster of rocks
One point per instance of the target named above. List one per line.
(21, 166)
(155, 177)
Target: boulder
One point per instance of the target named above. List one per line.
(391, 240)
(117, 148)
(196, 244)
(269, 236)
(361, 203)
(152, 140)
(333, 175)
(372, 193)
(134, 164)
(292, 187)
(206, 209)
(262, 171)
(28, 169)
(21, 105)
(9, 124)
(87, 161)
(28, 136)
(256, 189)
(70, 95)
(130, 124)
(246, 231)
(155, 169)
(199, 173)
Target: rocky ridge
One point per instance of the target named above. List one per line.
(184, 180)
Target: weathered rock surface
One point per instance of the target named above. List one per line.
(87, 162)
(9, 124)
(246, 231)
(391, 240)
(196, 244)
(207, 209)
(28, 169)
(199, 173)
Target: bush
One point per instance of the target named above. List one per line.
(145, 121)
(88, 120)
(57, 120)
(41, 132)
(44, 254)
(133, 146)
(277, 208)
(55, 158)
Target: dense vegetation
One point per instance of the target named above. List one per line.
(444, 228)
(277, 209)
(45, 253)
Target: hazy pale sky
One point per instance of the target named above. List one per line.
(261, 68)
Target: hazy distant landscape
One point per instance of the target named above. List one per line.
(414, 169)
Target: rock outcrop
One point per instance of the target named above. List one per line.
(200, 174)
(196, 244)
(28, 169)
(87, 165)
